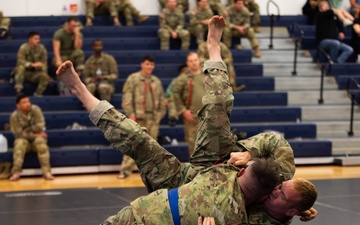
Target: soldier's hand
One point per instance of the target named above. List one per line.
(172, 121)
(132, 117)
(207, 221)
(37, 64)
(239, 158)
(188, 115)
(58, 62)
(174, 35)
(308, 215)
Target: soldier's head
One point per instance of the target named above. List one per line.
(23, 103)
(147, 65)
(33, 38)
(193, 61)
(202, 3)
(238, 4)
(171, 4)
(323, 6)
(71, 24)
(259, 179)
(97, 46)
(291, 197)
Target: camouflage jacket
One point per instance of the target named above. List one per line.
(134, 97)
(181, 4)
(239, 18)
(106, 64)
(28, 55)
(197, 15)
(172, 21)
(225, 53)
(181, 91)
(24, 126)
(216, 186)
(258, 216)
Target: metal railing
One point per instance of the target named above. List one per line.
(297, 44)
(273, 19)
(325, 70)
(351, 95)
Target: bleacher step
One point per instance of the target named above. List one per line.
(291, 83)
(280, 43)
(347, 161)
(286, 69)
(346, 145)
(311, 97)
(327, 112)
(285, 56)
(336, 129)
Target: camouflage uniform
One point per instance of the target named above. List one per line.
(101, 9)
(170, 103)
(104, 66)
(217, 7)
(188, 90)
(147, 106)
(183, 5)
(172, 21)
(253, 7)
(4, 23)
(226, 55)
(196, 28)
(239, 18)
(25, 72)
(67, 50)
(23, 128)
(128, 9)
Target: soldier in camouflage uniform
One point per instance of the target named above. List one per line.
(160, 169)
(188, 90)
(100, 72)
(199, 18)
(228, 60)
(143, 102)
(253, 7)
(238, 19)
(98, 7)
(171, 22)
(217, 7)
(27, 125)
(4, 24)
(32, 64)
(128, 9)
(183, 5)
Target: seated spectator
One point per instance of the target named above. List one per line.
(172, 21)
(355, 6)
(356, 33)
(4, 24)
(100, 72)
(32, 65)
(217, 7)
(253, 7)
(310, 9)
(328, 30)
(183, 5)
(343, 15)
(199, 19)
(98, 7)
(27, 124)
(128, 10)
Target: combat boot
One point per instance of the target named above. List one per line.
(141, 18)
(257, 53)
(6, 172)
(256, 29)
(238, 47)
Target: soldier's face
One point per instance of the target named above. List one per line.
(193, 62)
(239, 5)
(203, 4)
(172, 4)
(97, 46)
(147, 67)
(72, 25)
(34, 40)
(24, 105)
(283, 198)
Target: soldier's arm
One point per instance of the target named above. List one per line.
(39, 120)
(162, 22)
(21, 57)
(178, 89)
(56, 45)
(86, 72)
(127, 97)
(15, 127)
(78, 42)
(44, 58)
(113, 69)
(193, 18)
(181, 23)
(246, 17)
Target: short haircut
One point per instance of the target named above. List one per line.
(32, 34)
(147, 58)
(266, 172)
(20, 96)
(96, 40)
(72, 19)
(189, 54)
(307, 192)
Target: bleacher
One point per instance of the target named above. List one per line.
(259, 108)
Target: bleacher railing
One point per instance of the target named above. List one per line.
(351, 94)
(297, 44)
(325, 68)
(273, 19)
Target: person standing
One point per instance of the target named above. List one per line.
(32, 65)
(27, 124)
(143, 102)
(100, 72)
(172, 21)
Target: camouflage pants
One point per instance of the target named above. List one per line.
(105, 90)
(217, 8)
(5, 23)
(190, 129)
(165, 35)
(152, 127)
(126, 8)
(199, 32)
(77, 57)
(250, 35)
(38, 145)
(36, 77)
(92, 10)
(254, 8)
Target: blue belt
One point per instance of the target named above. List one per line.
(174, 205)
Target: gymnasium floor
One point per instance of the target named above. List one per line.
(89, 199)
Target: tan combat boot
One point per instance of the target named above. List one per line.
(257, 53)
(141, 18)
(256, 29)
(6, 170)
